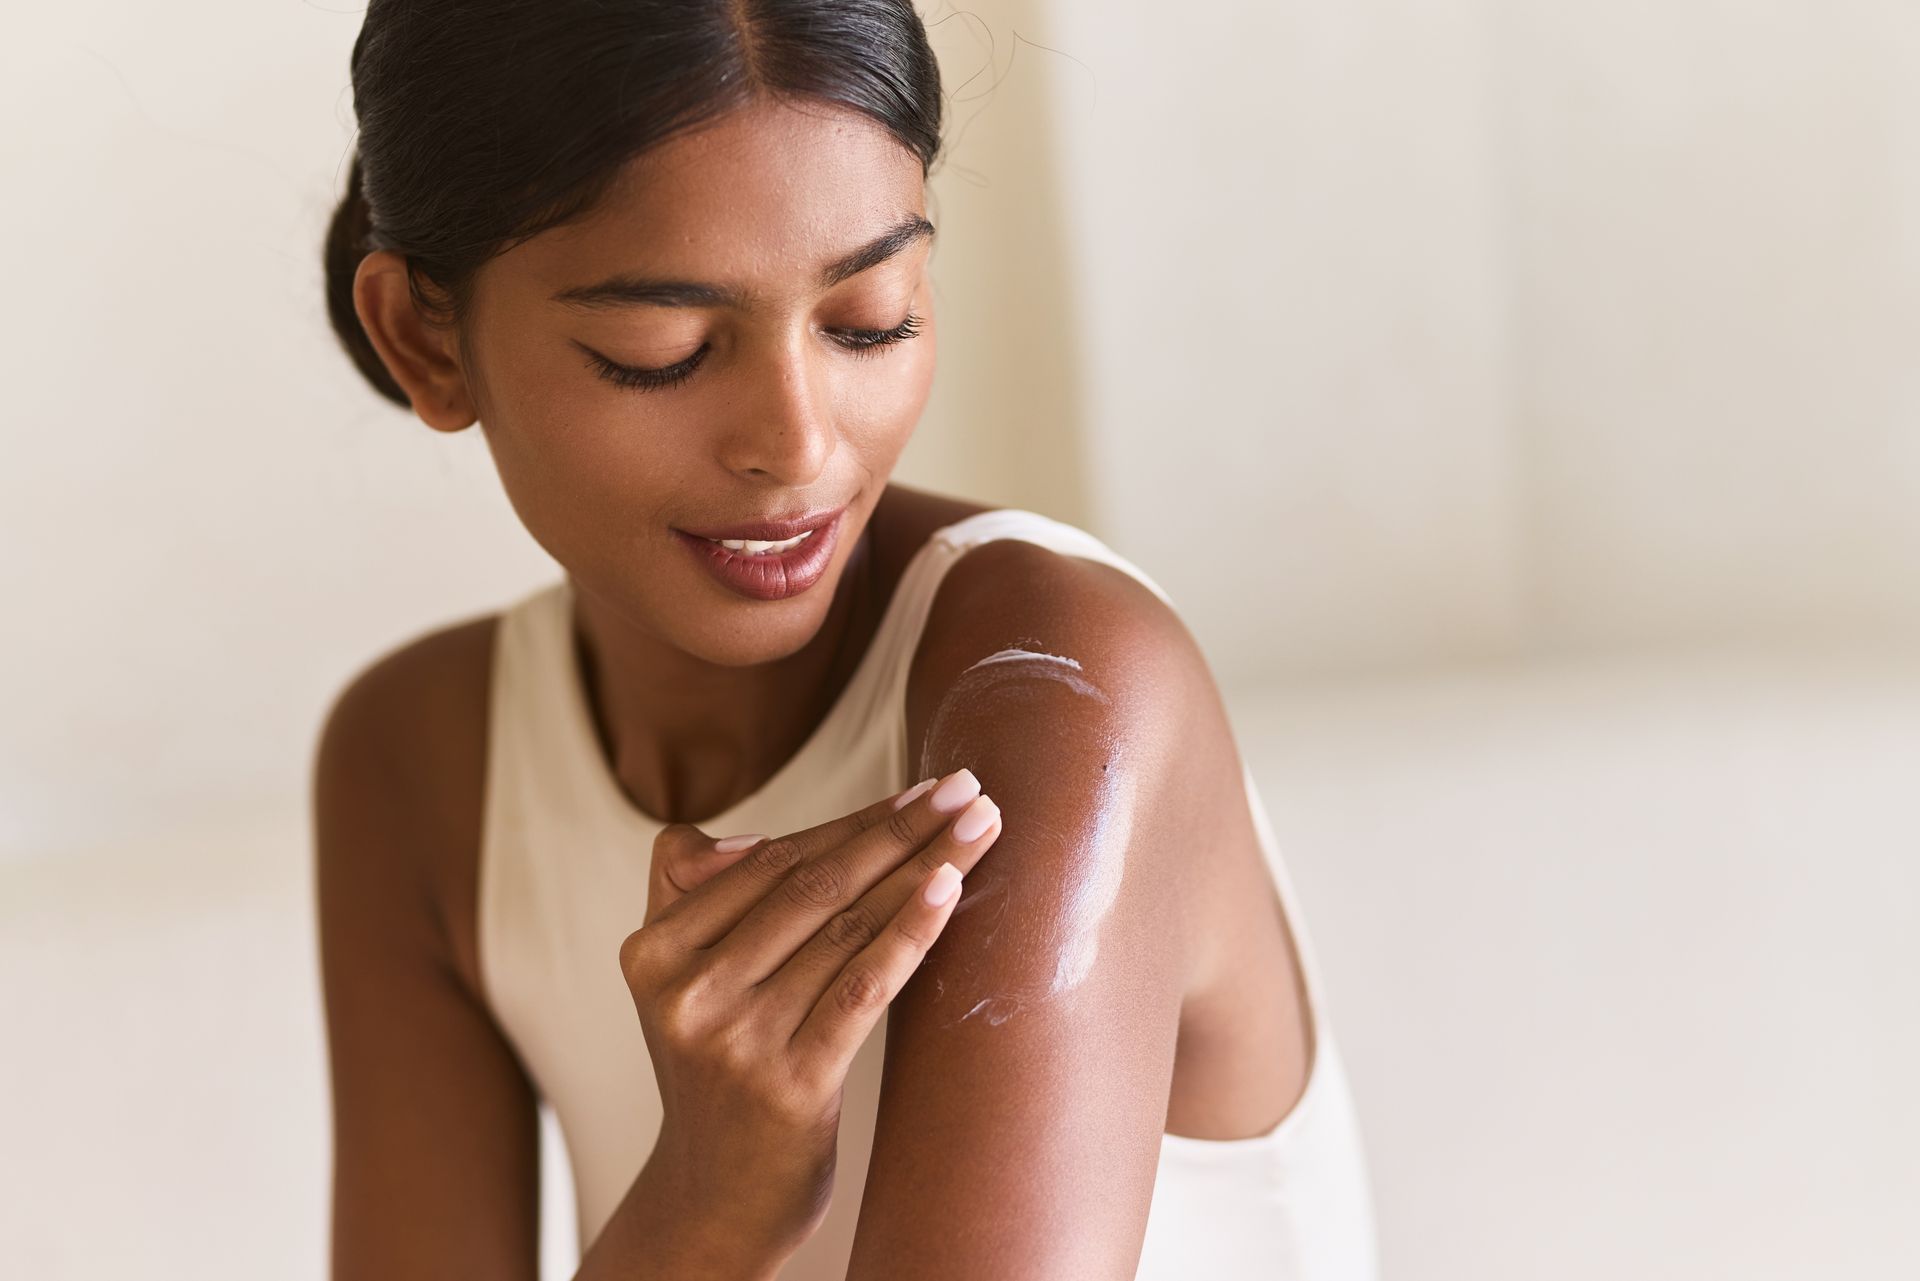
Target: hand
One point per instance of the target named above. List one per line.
(758, 973)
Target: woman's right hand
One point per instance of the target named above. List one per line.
(758, 973)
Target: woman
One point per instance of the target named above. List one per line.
(643, 844)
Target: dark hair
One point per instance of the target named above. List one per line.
(485, 122)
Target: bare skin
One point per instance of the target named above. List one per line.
(1123, 916)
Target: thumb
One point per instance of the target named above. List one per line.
(685, 858)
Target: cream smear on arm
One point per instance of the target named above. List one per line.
(1003, 684)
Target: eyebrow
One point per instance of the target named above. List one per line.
(628, 290)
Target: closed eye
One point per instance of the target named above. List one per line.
(861, 342)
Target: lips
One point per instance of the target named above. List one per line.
(771, 530)
(766, 576)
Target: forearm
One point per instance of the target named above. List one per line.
(654, 1233)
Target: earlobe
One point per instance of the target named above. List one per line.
(419, 354)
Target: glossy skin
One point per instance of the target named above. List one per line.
(1121, 919)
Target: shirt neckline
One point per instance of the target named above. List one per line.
(585, 743)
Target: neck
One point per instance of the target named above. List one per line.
(687, 739)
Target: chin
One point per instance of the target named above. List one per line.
(749, 633)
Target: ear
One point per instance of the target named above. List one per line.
(422, 357)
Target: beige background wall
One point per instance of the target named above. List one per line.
(1518, 399)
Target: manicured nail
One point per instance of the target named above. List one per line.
(913, 793)
(733, 844)
(959, 788)
(943, 885)
(973, 824)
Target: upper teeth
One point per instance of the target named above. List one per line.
(755, 547)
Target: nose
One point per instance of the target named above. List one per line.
(785, 431)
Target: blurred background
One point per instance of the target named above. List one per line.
(1555, 362)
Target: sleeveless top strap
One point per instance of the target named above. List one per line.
(920, 583)
(914, 600)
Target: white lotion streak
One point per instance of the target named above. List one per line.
(1074, 934)
(1094, 896)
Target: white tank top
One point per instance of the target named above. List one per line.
(563, 879)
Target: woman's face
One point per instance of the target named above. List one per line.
(770, 404)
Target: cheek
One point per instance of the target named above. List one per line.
(886, 402)
(894, 385)
(559, 425)
(588, 474)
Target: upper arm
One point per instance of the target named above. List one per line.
(435, 1126)
(1029, 1059)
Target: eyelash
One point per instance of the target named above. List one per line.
(863, 343)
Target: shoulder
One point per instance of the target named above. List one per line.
(1089, 617)
(1086, 708)
(408, 707)
(397, 775)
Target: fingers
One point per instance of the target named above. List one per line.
(797, 984)
(736, 884)
(685, 858)
(846, 1013)
(777, 916)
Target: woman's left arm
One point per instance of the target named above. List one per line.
(1029, 1059)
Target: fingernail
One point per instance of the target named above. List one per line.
(942, 886)
(961, 786)
(913, 793)
(733, 844)
(971, 825)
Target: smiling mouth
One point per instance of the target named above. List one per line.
(779, 529)
(765, 568)
(759, 547)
